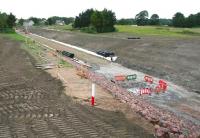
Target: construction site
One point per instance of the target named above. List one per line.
(90, 69)
(95, 95)
(37, 100)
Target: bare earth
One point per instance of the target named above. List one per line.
(172, 59)
(33, 104)
(178, 100)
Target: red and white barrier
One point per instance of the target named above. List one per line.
(93, 94)
(145, 91)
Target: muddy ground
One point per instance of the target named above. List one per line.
(173, 59)
(33, 104)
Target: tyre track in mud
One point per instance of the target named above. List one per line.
(32, 104)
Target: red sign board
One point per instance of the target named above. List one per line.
(148, 79)
(120, 78)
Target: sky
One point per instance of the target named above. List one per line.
(122, 8)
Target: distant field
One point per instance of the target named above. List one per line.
(61, 27)
(145, 30)
(158, 30)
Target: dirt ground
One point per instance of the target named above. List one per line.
(176, 99)
(172, 59)
(80, 90)
(33, 104)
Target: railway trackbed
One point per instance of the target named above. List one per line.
(33, 105)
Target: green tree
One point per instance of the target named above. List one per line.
(83, 20)
(76, 23)
(3, 20)
(49, 21)
(178, 20)
(52, 20)
(142, 18)
(97, 21)
(191, 21)
(165, 22)
(102, 21)
(11, 20)
(126, 22)
(198, 19)
(154, 20)
(108, 20)
(21, 21)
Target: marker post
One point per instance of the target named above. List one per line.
(93, 94)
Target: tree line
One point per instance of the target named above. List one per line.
(53, 20)
(103, 21)
(142, 19)
(179, 20)
(100, 21)
(7, 21)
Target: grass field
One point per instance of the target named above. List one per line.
(158, 30)
(14, 36)
(144, 30)
(61, 27)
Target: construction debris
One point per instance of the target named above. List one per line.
(45, 66)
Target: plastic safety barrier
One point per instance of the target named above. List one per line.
(131, 77)
(145, 91)
(120, 78)
(148, 79)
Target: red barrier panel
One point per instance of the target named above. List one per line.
(148, 79)
(163, 85)
(120, 78)
(145, 91)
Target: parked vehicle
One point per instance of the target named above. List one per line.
(107, 54)
(65, 53)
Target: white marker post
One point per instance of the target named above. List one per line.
(93, 94)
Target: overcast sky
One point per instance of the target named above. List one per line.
(122, 8)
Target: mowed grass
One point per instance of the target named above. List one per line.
(142, 30)
(61, 27)
(14, 36)
(158, 30)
